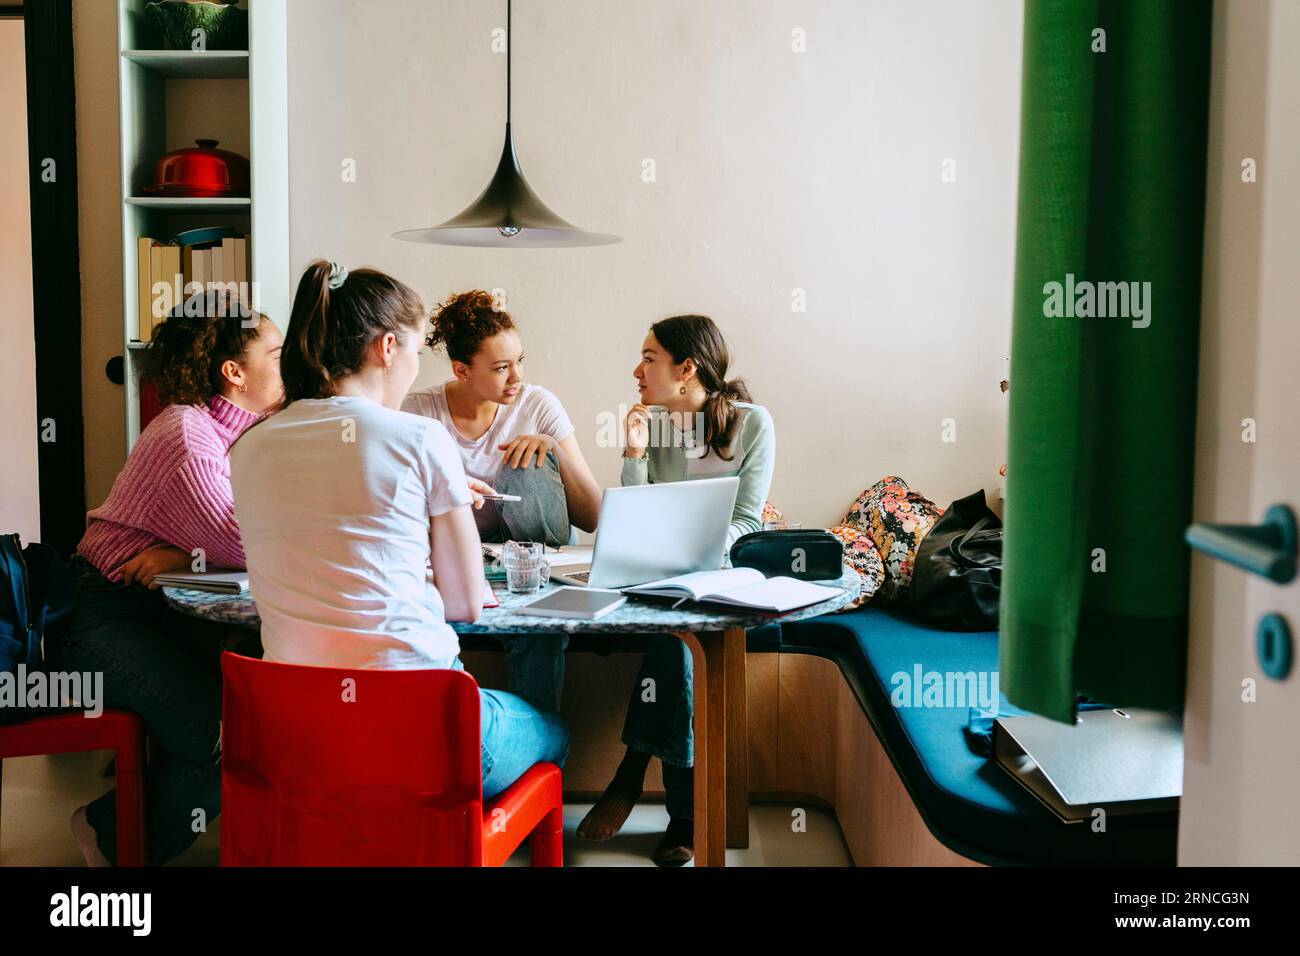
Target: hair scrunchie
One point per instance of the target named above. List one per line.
(338, 275)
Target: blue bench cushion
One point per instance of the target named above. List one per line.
(969, 803)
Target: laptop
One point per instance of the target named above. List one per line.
(648, 532)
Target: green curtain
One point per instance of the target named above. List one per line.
(1102, 417)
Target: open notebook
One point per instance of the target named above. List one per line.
(738, 587)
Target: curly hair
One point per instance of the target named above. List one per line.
(187, 352)
(462, 323)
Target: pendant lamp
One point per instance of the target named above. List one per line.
(507, 213)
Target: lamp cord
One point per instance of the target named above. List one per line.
(510, 49)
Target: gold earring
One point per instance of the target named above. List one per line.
(243, 388)
(682, 390)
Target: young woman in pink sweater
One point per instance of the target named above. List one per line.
(170, 508)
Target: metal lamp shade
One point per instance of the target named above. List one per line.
(507, 214)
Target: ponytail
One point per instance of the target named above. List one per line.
(720, 416)
(336, 315)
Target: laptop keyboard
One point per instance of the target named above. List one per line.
(583, 576)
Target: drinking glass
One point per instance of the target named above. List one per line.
(526, 569)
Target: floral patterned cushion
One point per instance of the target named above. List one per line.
(771, 513)
(895, 518)
(861, 555)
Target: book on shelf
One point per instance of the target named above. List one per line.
(242, 272)
(216, 255)
(737, 587)
(202, 268)
(156, 308)
(187, 270)
(166, 282)
(139, 323)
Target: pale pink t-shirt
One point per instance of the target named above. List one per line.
(535, 412)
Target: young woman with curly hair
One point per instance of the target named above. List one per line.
(504, 426)
(170, 505)
(514, 436)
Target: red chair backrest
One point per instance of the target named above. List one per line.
(325, 766)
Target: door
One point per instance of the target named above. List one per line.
(19, 488)
(1241, 790)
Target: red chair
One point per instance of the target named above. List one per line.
(116, 730)
(324, 766)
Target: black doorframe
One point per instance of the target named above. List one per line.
(56, 267)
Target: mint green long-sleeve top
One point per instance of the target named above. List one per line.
(673, 455)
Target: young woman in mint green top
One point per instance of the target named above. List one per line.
(690, 423)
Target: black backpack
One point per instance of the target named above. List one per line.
(35, 591)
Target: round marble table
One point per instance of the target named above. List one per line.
(633, 617)
(716, 638)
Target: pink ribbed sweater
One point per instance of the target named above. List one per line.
(173, 489)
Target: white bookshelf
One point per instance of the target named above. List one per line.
(146, 67)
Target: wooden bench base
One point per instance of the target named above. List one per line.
(808, 740)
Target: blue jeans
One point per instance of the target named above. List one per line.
(514, 735)
(659, 719)
(164, 667)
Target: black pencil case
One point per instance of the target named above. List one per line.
(811, 555)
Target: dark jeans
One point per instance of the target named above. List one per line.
(659, 719)
(164, 667)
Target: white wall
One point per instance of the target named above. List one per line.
(19, 489)
(776, 170)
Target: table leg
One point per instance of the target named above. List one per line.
(733, 657)
(710, 732)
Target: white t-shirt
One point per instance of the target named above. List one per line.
(333, 498)
(535, 412)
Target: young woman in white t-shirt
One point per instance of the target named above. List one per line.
(345, 503)
(510, 434)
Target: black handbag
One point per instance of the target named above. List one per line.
(795, 553)
(957, 577)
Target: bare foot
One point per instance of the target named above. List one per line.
(611, 811)
(86, 839)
